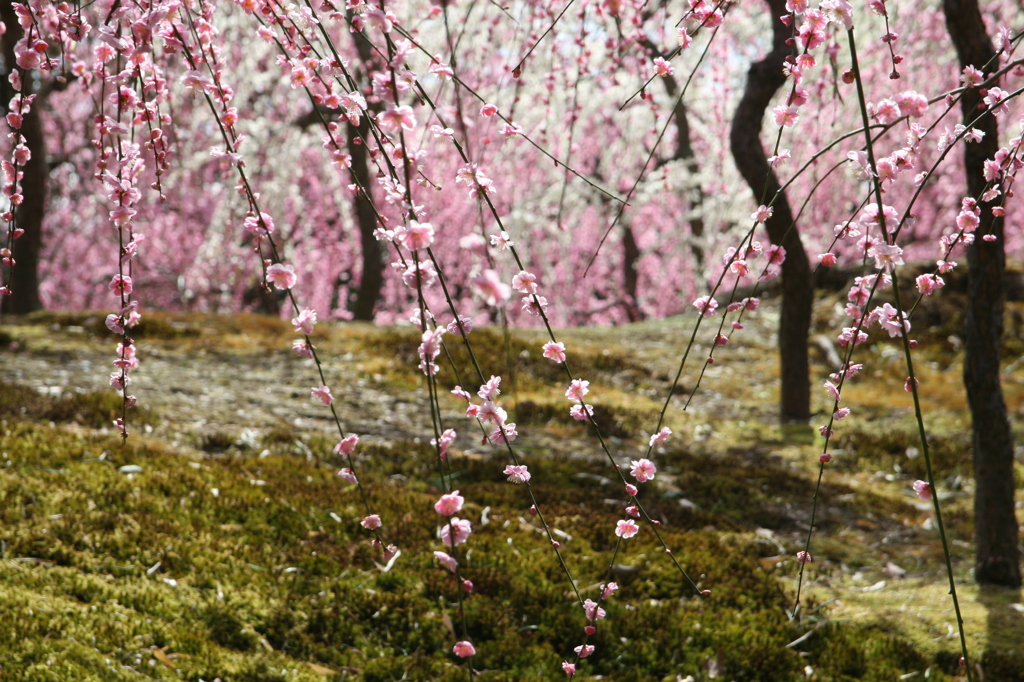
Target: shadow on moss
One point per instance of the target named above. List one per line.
(95, 409)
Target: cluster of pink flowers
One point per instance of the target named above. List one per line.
(488, 411)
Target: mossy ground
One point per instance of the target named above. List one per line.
(236, 553)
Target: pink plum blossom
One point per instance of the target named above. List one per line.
(762, 214)
(626, 528)
(923, 490)
(305, 321)
(785, 117)
(643, 470)
(417, 235)
(450, 503)
(281, 276)
(593, 611)
(492, 413)
(832, 391)
(581, 413)
(554, 351)
(890, 319)
(121, 284)
(706, 306)
(502, 241)
(467, 326)
(517, 473)
(661, 436)
(502, 433)
(113, 323)
(928, 283)
(887, 256)
(462, 528)
(347, 445)
(490, 390)
(444, 442)
(525, 282)
(464, 649)
(323, 394)
(491, 288)
(447, 561)
(397, 118)
(578, 388)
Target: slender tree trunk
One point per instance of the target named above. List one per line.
(996, 553)
(630, 255)
(684, 152)
(372, 280)
(694, 193)
(763, 81)
(25, 275)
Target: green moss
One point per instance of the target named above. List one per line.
(106, 566)
(882, 448)
(96, 409)
(520, 360)
(260, 580)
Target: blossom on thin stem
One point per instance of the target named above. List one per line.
(450, 503)
(578, 388)
(305, 321)
(464, 649)
(661, 436)
(643, 470)
(281, 276)
(462, 528)
(517, 473)
(923, 490)
(626, 528)
(323, 394)
(554, 351)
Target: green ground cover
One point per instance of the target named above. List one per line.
(232, 550)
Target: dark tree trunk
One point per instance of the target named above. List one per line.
(368, 292)
(630, 255)
(372, 279)
(695, 193)
(684, 152)
(763, 81)
(997, 556)
(25, 275)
